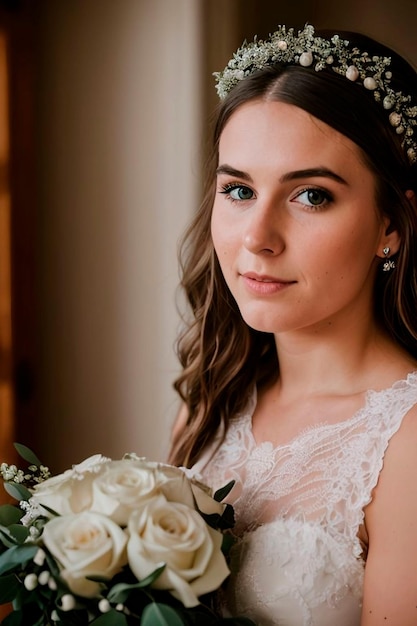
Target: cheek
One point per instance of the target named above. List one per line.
(220, 234)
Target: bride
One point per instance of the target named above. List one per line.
(299, 357)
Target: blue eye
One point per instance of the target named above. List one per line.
(314, 197)
(237, 192)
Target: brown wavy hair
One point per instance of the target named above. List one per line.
(221, 356)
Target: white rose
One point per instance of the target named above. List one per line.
(123, 487)
(127, 485)
(178, 485)
(85, 544)
(71, 491)
(174, 534)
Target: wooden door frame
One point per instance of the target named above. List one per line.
(18, 21)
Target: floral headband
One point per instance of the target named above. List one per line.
(305, 49)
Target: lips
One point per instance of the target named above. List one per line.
(263, 284)
(263, 278)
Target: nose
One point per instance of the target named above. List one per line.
(264, 231)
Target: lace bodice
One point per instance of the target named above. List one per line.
(298, 560)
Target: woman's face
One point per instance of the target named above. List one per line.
(295, 224)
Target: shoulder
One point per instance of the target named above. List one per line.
(391, 523)
(397, 478)
(400, 460)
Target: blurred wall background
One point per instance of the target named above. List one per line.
(122, 95)
(119, 171)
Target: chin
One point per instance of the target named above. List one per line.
(263, 324)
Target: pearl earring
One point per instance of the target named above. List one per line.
(389, 264)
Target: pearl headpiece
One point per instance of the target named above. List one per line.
(305, 49)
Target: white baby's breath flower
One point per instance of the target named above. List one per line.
(10, 473)
(32, 511)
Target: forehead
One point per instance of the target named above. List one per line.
(271, 132)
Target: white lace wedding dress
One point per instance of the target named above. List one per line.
(298, 560)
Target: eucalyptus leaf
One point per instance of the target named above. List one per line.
(9, 586)
(111, 618)
(121, 591)
(10, 514)
(16, 556)
(18, 492)
(158, 614)
(99, 579)
(19, 533)
(27, 454)
(6, 538)
(224, 491)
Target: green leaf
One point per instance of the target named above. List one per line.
(112, 618)
(220, 522)
(27, 454)
(224, 491)
(9, 586)
(10, 514)
(227, 543)
(16, 556)
(121, 591)
(51, 511)
(99, 579)
(157, 614)
(6, 538)
(19, 533)
(18, 492)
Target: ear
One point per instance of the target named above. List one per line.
(390, 238)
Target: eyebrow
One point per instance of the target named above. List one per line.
(320, 172)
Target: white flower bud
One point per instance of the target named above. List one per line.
(44, 577)
(388, 102)
(55, 616)
(352, 73)
(67, 602)
(370, 83)
(39, 558)
(395, 119)
(52, 584)
(306, 59)
(31, 582)
(104, 605)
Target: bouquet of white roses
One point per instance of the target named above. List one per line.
(111, 543)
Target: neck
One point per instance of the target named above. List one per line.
(328, 360)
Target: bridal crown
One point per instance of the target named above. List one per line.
(306, 49)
